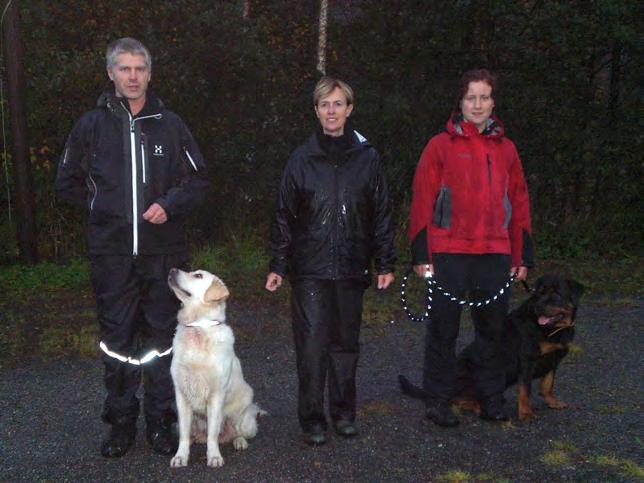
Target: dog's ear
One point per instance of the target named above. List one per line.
(576, 289)
(216, 292)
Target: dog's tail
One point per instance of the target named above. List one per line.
(410, 389)
(247, 424)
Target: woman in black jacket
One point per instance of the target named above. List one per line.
(333, 217)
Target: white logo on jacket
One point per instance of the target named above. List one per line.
(158, 150)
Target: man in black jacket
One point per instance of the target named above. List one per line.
(137, 170)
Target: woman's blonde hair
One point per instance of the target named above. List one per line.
(327, 85)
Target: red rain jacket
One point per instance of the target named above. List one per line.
(470, 194)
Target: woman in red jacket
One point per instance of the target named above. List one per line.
(470, 226)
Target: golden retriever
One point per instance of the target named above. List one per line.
(214, 403)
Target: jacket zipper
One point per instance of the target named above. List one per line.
(489, 169)
(335, 223)
(143, 160)
(135, 214)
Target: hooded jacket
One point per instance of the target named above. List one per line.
(117, 165)
(333, 212)
(470, 196)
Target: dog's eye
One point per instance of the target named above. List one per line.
(198, 275)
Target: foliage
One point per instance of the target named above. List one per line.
(569, 96)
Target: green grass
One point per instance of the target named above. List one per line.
(623, 466)
(48, 309)
(23, 280)
(454, 476)
(555, 458)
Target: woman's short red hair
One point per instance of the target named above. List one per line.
(476, 75)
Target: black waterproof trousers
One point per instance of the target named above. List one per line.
(478, 277)
(137, 313)
(326, 326)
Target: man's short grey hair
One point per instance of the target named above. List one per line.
(126, 45)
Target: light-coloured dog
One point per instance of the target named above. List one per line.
(214, 403)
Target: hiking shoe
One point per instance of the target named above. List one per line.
(316, 436)
(492, 410)
(345, 428)
(119, 441)
(161, 438)
(440, 413)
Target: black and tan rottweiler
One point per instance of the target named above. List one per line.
(539, 334)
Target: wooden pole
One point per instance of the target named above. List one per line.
(22, 176)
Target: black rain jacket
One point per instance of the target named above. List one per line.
(118, 165)
(333, 213)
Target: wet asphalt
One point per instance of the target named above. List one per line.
(50, 428)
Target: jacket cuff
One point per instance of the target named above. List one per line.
(419, 253)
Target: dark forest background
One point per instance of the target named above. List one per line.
(241, 74)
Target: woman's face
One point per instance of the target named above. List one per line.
(333, 111)
(477, 104)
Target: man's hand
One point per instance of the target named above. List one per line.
(385, 280)
(273, 282)
(155, 214)
(522, 273)
(422, 270)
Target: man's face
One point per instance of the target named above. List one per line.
(130, 75)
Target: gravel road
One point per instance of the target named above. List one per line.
(50, 428)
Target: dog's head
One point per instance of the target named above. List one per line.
(202, 294)
(556, 301)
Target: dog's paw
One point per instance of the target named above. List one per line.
(179, 461)
(527, 415)
(216, 461)
(554, 403)
(240, 443)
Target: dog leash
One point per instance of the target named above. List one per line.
(432, 285)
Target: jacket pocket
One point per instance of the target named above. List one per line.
(443, 208)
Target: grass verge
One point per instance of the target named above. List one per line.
(48, 309)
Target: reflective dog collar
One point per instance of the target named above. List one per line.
(205, 323)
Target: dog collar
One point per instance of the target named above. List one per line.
(205, 323)
(559, 329)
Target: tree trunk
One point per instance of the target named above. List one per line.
(324, 10)
(22, 177)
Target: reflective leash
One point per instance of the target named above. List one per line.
(432, 285)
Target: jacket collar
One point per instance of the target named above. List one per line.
(351, 139)
(153, 105)
(459, 127)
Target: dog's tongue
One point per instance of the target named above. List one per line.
(543, 320)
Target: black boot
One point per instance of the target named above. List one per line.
(315, 435)
(345, 428)
(119, 441)
(440, 412)
(161, 438)
(493, 409)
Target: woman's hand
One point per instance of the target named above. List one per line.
(385, 280)
(521, 272)
(273, 282)
(422, 270)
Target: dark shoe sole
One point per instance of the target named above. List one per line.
(346, 429)
(317, 439)
(116, 451)
(494, 417)
(443, 421)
